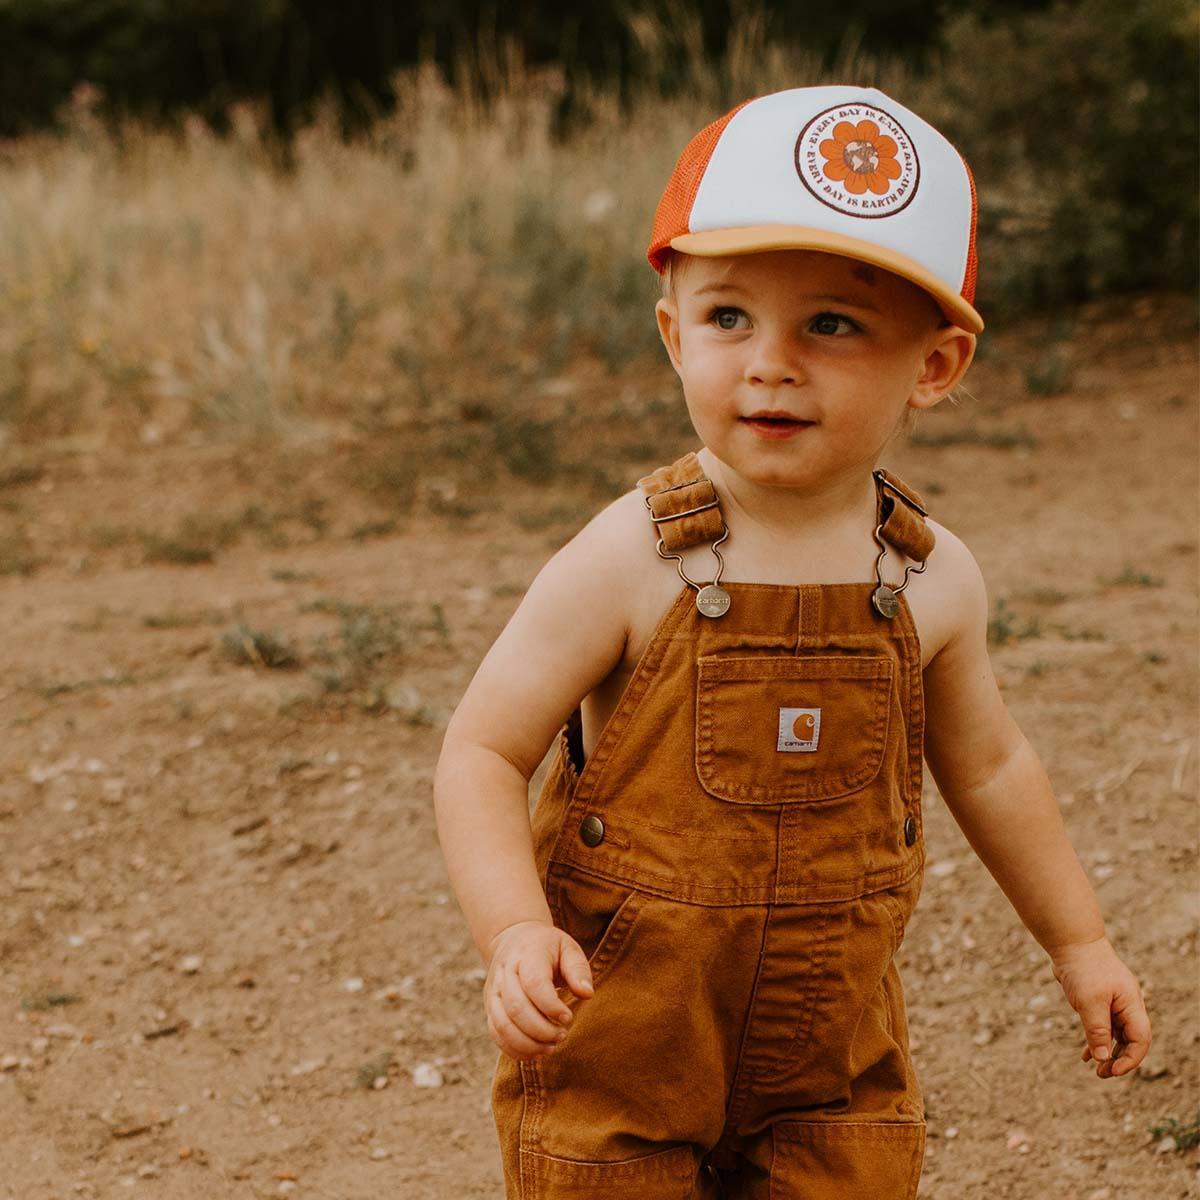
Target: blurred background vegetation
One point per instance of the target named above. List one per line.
(253, 217)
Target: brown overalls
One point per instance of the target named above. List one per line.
(738, 859)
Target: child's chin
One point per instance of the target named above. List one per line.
(771, 474)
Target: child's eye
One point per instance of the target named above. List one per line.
(828, 322)
(729, 319)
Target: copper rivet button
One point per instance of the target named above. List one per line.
(910, 831)
(591, 830)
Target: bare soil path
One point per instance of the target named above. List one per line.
(229, 963)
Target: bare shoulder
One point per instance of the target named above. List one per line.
(568, 633)
(948, 600)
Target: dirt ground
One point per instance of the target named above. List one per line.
(229, 963)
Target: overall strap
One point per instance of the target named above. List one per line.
(902, 517)
(686, 512)
(683, 504)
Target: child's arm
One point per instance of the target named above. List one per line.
(565, 637)
(997, 789)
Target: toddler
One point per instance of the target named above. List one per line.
(690, 947)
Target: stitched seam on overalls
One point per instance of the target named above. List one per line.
(735, 1104)
(826, 892)
(588, 781)
(529, 1130)
(647, 668)
(916, 727)
(806, 1000)
(820, 959)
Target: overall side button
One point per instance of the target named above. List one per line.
(591, 830)
(910, 830)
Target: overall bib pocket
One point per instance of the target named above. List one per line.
(781, 729)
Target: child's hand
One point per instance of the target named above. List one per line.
(526, 1018)
(1103, 991)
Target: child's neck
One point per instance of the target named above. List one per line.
(843, 504)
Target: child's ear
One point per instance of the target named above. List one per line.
(667, 313)
(947, 357)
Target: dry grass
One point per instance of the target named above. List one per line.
(430, 291)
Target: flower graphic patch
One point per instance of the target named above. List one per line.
(857, 159)
(799, 729)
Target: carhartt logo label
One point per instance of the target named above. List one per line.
(858, 159)
(799, 728)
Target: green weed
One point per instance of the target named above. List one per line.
(527, 448)
(21, 474)
(1004, 626)
(16, 555)
(373, 1069)
(44, 1001)
(1049, 374)
(62, 687)
(372, 529)
(1129, 577)
(972, 435)
(182, 620)
(1186, 1135)
(536, 519)
(254, 647)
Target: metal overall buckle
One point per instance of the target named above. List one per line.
(711, 598)
(883, 598)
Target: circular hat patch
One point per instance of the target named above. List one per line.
(857, 159)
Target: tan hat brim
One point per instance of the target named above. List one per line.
(750, 239)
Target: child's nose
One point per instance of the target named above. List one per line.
(775, 362)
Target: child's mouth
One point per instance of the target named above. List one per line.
(776, 426)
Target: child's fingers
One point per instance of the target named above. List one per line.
(510, 1035)
(1135, 1037)
(539, 987)
(520, 1011)
(573, 966)
(1097, 1027)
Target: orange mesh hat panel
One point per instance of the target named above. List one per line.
(841, 169)
(671, 217)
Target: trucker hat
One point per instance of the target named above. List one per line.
(847, 170)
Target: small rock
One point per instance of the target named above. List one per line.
(983, 1037)
(426, 1075)
(940, 870)
(1153, 1068)
(1018, 1140)
(379, 1082)
(353, 984)
(148, 1171)
(951, 1132)
(286, 1187)
(1165, 1145)
(307, 1067)
(190, 964)
(1104, 1193)
(379, 1153)
(10, 1062)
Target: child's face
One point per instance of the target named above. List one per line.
(834, 349)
